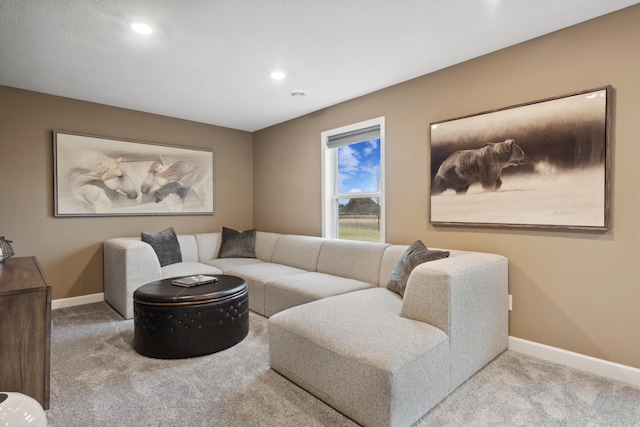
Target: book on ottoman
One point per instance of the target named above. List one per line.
(190, 281)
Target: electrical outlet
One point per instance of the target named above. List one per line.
(510, 303)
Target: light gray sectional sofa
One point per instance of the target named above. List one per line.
(334, 328)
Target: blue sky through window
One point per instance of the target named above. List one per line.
(359, 167)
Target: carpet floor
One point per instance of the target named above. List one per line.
(97, 379)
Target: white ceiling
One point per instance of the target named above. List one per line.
(209, 60)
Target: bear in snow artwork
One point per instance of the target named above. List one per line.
(484, 165)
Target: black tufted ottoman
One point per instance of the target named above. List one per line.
(173, 322)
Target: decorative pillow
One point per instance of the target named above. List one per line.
(165, 244)
(237, 244)
(415, 255)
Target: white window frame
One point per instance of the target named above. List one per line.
(329, 166)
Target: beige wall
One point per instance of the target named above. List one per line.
(70, 249)
(578, 291)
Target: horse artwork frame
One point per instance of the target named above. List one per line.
(100, 176)
(544, 164)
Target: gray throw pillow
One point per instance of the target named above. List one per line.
(237, 244)
(165, 244)
(415, 255)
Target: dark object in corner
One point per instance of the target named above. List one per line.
(6, 251)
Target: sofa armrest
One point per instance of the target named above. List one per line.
(466, 296)
(128, 264)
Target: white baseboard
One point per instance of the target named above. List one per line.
(604, 368)
(73, 301)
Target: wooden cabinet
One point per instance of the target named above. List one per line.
(25, 328)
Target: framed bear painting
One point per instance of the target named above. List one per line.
(544, 164)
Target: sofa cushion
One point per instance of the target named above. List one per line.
(265, 242)
(257, 275)
(237, 244)
(165, 245)
(226, 264)
(208, 246)
(188, 247)
(416, 254)
(352, 259)
(389, 261)
(290, 291)
(297, 251)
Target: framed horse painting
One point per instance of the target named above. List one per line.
(96, 176)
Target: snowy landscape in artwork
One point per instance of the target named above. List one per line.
(542, 164)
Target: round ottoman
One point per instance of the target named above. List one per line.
(174, 322)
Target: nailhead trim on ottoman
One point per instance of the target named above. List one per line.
(172, 322)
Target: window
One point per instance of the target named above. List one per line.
(353, 182)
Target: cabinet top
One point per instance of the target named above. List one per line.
(21, 274)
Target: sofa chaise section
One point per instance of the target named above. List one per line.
(384, 360)
(356, 352)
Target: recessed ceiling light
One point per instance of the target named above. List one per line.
(278, 75)
(141, 28)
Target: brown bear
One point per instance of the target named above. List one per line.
(466, 167)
